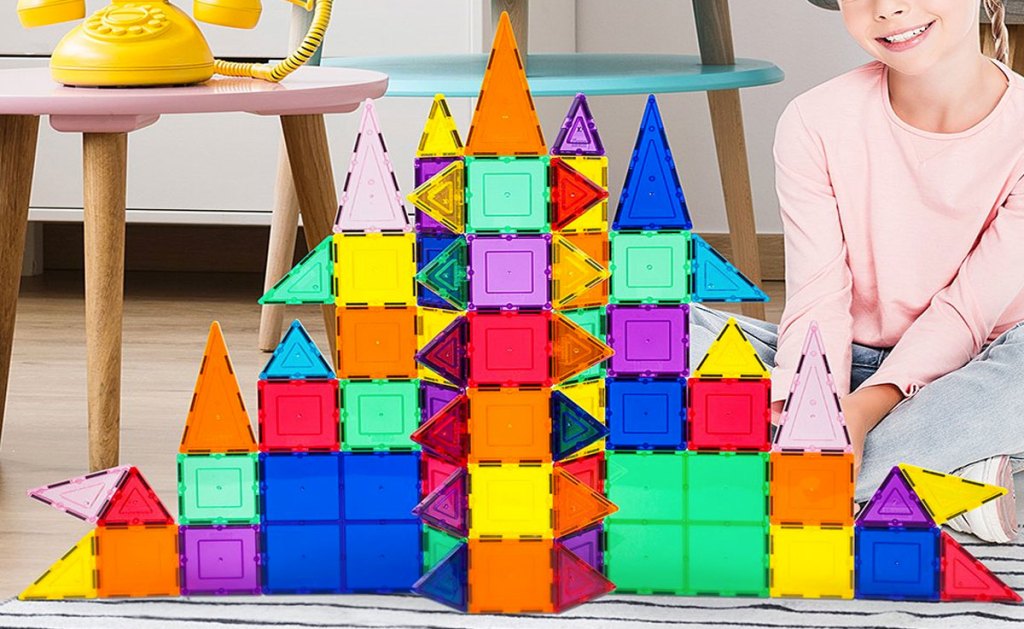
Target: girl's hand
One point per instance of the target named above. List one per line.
(777, 411)
(857, 425)
(863, 410)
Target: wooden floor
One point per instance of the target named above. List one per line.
(167, 317)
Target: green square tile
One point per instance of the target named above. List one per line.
(594, 321)
(649, 266)
(646, 485)
(645, 558)
(436, 546)
(218, 489)
(726, 487)
(727, 559)
(379, 415)
(507, 194)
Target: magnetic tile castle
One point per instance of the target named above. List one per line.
(511, 421)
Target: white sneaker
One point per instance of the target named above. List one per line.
(996, 520)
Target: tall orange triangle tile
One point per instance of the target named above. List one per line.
(505, 121)
(217, 420)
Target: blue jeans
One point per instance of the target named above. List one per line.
(971, 414)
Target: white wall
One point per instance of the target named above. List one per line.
(809, 44)
(174, 163)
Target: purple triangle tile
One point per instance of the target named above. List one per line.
(578, 135)
(895, 505)
(434, 397)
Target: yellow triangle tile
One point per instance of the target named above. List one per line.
(71, 576)
(731, 356)
(947, 496)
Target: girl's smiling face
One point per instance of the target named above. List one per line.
(911, 35)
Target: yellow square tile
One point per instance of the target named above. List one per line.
(590, 396)
(811, 561)
(375, 269)
(595, 169)
(510, 501)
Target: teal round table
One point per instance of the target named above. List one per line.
(566, 74)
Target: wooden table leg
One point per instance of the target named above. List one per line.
(284, 224)
(310, 156)
(714, 36)
(18, 157)
(105, 168)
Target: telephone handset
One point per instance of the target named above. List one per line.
(149, 43)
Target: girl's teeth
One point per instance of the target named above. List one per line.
(905, 36)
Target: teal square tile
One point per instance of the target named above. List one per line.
(726, 487)
(218, 489)
(379, 414)
(646, 485)
(645, 557)
(728, 559)
(507, 194)
(649, 267)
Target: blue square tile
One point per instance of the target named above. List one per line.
(301, 487)
(381, 486)
(897, 563)
(646, 414)
(299, 558)
(429, 248)
(382, 557)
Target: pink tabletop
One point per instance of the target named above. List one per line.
(309, 90)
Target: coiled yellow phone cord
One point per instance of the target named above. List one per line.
(274, 73)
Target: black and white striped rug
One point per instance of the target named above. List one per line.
(611, 612)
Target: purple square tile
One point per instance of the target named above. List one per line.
(587, 546)
(648, 340)
(509, 271)
(220, 560)
(425, 168)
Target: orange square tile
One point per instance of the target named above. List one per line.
(137, 561)
(510, 576)
(509, 425)
(377, 342)
(594, 245)
(811, 488)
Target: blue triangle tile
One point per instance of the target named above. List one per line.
(446, 583)
(713, 278)
(297, 357)
(572, 428)
(652, 197)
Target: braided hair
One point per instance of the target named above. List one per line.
(996, 14)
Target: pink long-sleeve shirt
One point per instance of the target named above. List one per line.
(896, 236)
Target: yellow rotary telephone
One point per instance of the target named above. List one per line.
(147, 43)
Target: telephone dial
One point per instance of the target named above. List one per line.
(147, 43)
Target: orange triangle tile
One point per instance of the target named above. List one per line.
(574, 350)
(577, 505)
(217, 420)
(505, 120)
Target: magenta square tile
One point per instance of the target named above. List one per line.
(509, 271)
(220, 560)
(648, 340)
(425, 168)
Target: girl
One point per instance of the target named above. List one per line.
(902, 200)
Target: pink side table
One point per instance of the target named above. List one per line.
(105, 117)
